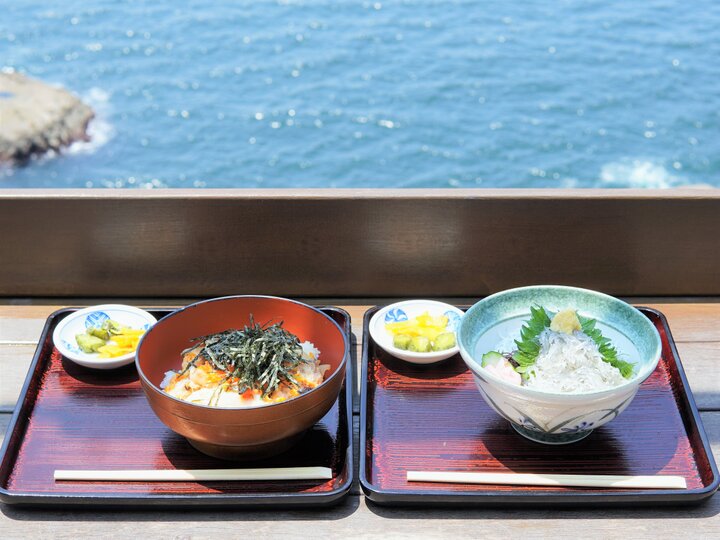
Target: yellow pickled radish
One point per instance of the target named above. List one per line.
(113, 351)
(424, 326)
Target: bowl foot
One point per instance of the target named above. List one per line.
(246, 453)
(551, 438)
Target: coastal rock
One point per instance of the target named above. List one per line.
(36, 117)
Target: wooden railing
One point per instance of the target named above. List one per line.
(355, 243)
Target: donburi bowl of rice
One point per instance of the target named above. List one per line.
(557, 362)
(212, 374)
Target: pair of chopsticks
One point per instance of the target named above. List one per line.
(324, 473)
(557, 480)
(195, 475)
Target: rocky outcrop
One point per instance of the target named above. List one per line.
(36, 117)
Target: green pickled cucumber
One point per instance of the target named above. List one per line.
(101, 333)
(491, 358)
(113, 327)
(402, 341)
(419, 344)
(444, 341)
(88, 343)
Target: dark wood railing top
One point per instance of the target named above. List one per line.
(354, 243)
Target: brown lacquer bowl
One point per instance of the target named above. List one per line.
(241, 433)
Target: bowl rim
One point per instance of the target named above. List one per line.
(477, 369)
(427, 356)
(161, 392)
(86, 359)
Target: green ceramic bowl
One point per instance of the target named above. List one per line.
(556, 418)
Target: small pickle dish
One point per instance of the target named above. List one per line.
(93, 337)
(417, 331)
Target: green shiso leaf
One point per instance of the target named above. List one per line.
(607, 350)
(528, 346)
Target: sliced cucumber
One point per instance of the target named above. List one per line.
(491, 358)
(444, 341)
(88, 343)
(402, 341)
(419, 344)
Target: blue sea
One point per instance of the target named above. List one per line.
(407, 93)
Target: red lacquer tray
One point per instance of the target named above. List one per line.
(70, 417)
(432, 417)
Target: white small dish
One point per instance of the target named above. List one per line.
(408, 309)
(77, 322)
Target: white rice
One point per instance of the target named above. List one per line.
(571, 364)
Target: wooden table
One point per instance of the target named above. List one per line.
(695, 323)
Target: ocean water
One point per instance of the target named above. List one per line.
(408, 93)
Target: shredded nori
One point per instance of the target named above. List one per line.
(260, 356)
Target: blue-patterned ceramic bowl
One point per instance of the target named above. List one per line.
(408, 309)
(76, 323)
(554, 418)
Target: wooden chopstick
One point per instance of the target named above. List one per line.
(575, 480)
(192, 475)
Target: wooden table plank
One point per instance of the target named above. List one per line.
(692, 322)
(689, 321)
(701, 361)
(14, 363)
